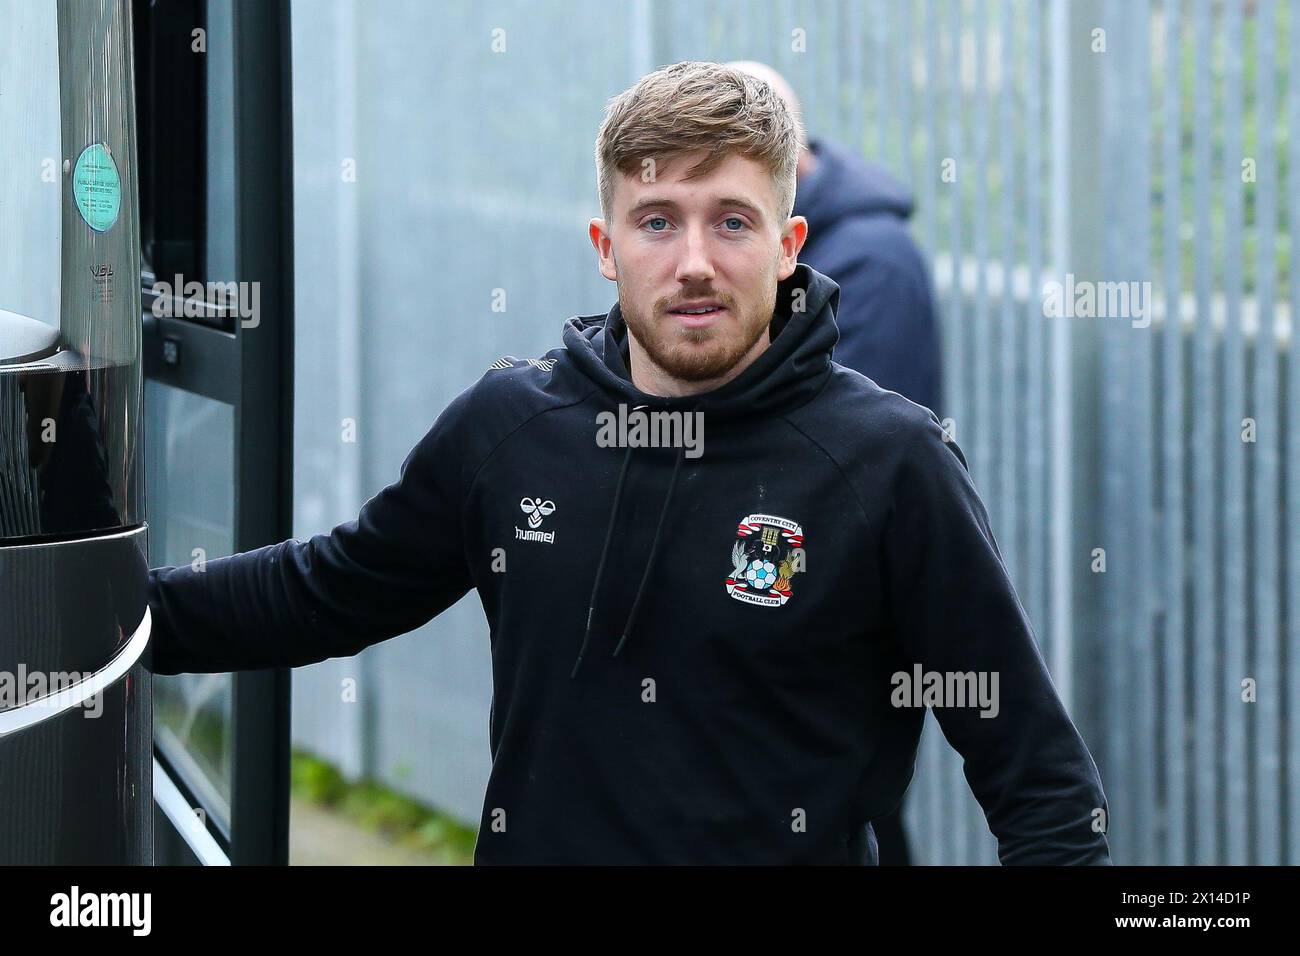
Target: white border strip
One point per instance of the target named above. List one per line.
(50, 706)
(185, 820)
(72, 542)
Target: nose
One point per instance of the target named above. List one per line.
(695, 266)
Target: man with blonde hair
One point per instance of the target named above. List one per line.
(712, 560)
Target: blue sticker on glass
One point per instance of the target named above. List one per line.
(97, 187)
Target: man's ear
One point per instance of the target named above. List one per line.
(604, 245)
(793, 237)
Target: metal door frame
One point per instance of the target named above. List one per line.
(251, 368)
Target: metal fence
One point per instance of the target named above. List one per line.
(1136, 462)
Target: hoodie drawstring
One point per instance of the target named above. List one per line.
(600, 568)
(650, 561)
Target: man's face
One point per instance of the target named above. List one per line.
(714, 243)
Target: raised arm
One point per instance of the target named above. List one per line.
(398, 564)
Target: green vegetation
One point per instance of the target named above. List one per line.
(1264, 139)
(377, 808)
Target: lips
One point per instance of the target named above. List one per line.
(698, 314)
(698, 307)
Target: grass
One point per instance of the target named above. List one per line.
(379, 809)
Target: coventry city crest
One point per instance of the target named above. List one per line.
(768, 552)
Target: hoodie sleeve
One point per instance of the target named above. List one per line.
(398, 564)
(954, 609)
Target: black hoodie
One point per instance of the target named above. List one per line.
(743, 610)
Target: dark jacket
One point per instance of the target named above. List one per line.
(692, 655)
(857, 234)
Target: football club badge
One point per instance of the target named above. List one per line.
(768, 552)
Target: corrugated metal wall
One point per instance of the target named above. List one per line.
(1047, 141)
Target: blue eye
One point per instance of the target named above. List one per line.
(655, 219)
(735, 219)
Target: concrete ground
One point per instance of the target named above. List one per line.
(318, 837)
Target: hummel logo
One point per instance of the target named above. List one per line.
(536, 509)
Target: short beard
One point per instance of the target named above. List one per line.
(679, 353)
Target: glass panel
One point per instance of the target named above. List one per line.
(69, 306)
(191, 506)
(31, 228)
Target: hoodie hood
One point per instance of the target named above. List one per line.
(791, 371)
(788, 373)
(844, 185)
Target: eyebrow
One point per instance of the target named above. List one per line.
(659, 202)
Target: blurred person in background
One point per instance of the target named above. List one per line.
(857, 234)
